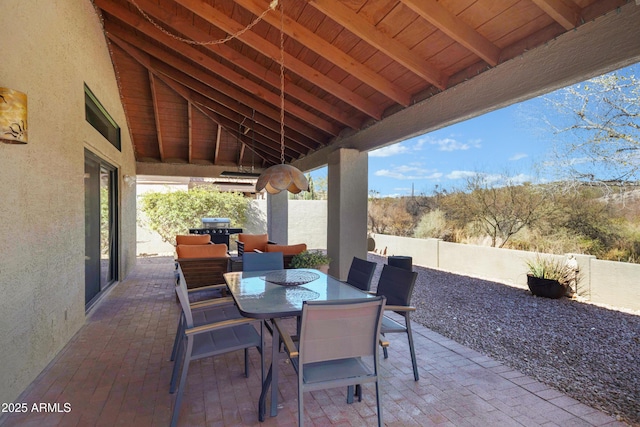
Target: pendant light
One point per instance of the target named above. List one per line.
(282, 177)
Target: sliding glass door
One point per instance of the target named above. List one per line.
(101, 194)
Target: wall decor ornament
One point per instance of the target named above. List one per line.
(13, 116)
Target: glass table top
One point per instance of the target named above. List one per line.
(258, 297)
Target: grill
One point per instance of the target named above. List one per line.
(218, 228)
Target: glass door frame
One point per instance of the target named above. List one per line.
(107, 268)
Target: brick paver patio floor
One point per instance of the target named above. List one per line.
(116, 371)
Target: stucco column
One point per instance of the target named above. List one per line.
(278, 217)
(346, 209)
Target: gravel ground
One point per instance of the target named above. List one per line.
(589, 352)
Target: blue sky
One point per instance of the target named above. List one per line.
(507, 142)
(498, 143)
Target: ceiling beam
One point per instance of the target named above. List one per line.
(454, 27)
(182, 169)
(568, 59)
(190, 118)
(229, 96)
(248, 65)
(227, 119)
(566, 14)
(156, 115)
(225, 23)
(218, 142)
(395, 50)
(140, 24)
(329, 52)
(292, 149)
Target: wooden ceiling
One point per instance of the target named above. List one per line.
(348, 64)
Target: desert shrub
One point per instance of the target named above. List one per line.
(174, 213)
(434, 224)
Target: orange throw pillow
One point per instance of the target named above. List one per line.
(254, 241)
(202, 251)
(193, 239)
(287, 249)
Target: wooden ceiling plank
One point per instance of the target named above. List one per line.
(253, 68)
(212, 65)
(224, 122)
(228, 107)
(212, 15)
(234, 94)
(156, 115)
(369, 33)
(454, 27)
(331, 53)
(231, 125)
(564, 14)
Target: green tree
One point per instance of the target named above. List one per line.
(174, 213)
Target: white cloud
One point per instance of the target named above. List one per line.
(451, 144)
(461, 174)
(408, 172)
(518, 156)
(391, 150)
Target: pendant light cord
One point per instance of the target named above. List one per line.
(282, 82)
(272, 6)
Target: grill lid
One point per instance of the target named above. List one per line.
(216, 222)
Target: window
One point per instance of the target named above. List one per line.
(100, 119)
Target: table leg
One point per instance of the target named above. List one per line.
(275, 355)
(262, 403)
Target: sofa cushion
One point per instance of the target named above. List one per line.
(254, 241)
(193, 239)
(287, 249)
(202, 251)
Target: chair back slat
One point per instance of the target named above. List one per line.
(361, 273)
(183, 297)
(340, 329)
(256, 261)
(396, 284)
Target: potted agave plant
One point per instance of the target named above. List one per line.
(311, 259)
(549, 277)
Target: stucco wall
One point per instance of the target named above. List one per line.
(603, 282)
(49, 50)
(307, 222)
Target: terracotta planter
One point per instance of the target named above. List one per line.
(324, 268)
(546, 287)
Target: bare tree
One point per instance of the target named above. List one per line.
(501, 211)
(597, 127)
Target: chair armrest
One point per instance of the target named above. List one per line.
(286, 339)
(217, 302)
(218, 325)
(383, 343)
(399, 308)
(240, 246)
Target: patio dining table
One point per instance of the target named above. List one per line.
(280, 293)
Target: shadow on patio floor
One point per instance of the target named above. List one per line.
(116, 371)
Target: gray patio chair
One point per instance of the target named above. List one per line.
(337, 347)
(259, 261)
(203, 312)
(361, 273)
(211, 339)
(396, 284)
